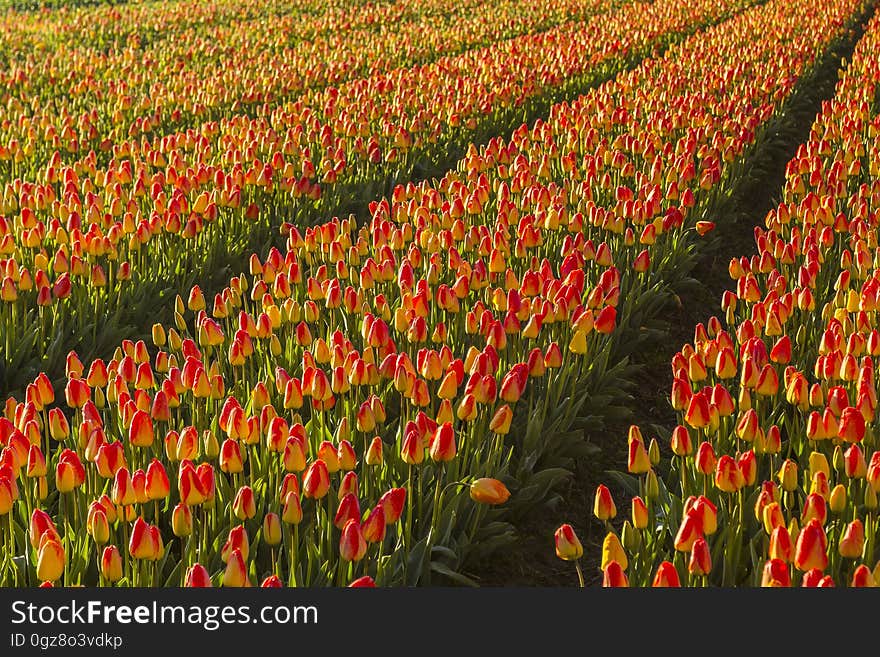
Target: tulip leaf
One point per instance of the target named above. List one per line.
(442, 549)
(416, 562)
(445, 570)
(173, 578)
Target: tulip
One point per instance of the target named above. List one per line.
(244, 505)
(157, 485)
(272, 582)
(363, 582)
(701, 560)
(681, 441)
(349, 509)
(837, 499)
(811, 548)
(568, 546)
(97, 524)
(639, 513)
(316, 481)
(603, 505)
(705, 459)
(374, 456)
(51, 560)
(788, 475)
(272, 529)
(140, 433)
(192, 491)
(181, 520)
(292, 512)
(863, 577)
(614, 576)
(442, 447)
(197, 577)
(352, 545)
(688, 532)
(638, 462)
(728, 477)
(781, 547)
(854, 462)
(666, 577)
(775, 574)
(236, 540)
(851, 427)
(814, 508)
(697, 414)
(111, 564)
(374, 526)
(235, 574)
(853, 540)
(612, 550)
(489, 491)
(142, 544)
(501, 421)
(392, 504)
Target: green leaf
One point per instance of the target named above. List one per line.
(455, 576)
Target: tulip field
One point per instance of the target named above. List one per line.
(339, 293)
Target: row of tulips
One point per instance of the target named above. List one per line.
(150, 69)
(86, 240)
(774, 469)
(323, 416)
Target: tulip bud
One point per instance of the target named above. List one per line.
(812, 547)
(654, 452)
(854, 462)
(705, 459)
(392, 503)
(181, 520)
(236, 540)
(272, 529)
(603, 505)
(244, 505)
(681, 441)
(316, 481)
(863, 577)
(375, 525)
(292, 512)
(374, 456)
(638, 462)
(612, 550)
(837, 499)
(363, 582)
(197, 577)
(489, 491)
(352, 545)
(111, 564)
(614, 576)
(142, 544)
(788, 476)
(666, 577)
(235, 574)
(870, 498)
(632, 540)
(701, 559)
(97, 524)
(639, 513)
(50, 560)
(568, 546)
(652, 485)
(853, 540)
(775, 574)
(442, 447)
